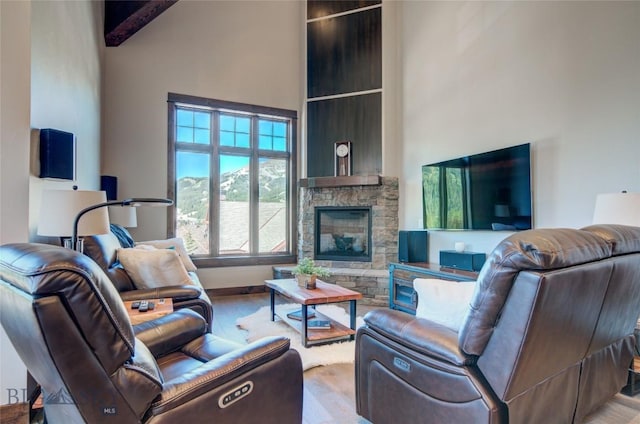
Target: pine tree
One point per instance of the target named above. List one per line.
(189, 243)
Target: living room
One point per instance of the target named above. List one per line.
(458, 78)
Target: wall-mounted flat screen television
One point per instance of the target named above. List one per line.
(485, 191)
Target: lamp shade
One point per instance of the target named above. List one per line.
(124, 216)
(59, 208)
(617, 208)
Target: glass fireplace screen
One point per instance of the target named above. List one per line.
(343, 234)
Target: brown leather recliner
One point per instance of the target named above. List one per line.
(103, 249)
(548, 337)
(70, 327)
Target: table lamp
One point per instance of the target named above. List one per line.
(617, 208)
(125, 216)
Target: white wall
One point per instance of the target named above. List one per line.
(468, 77)
(15, 27)
(247, 51)
(564, 76)
(67, 46)
(50, 75)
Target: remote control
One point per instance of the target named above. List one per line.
(144, 306)
(135, 305)
(151, 306)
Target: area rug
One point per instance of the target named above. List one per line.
(259, 325)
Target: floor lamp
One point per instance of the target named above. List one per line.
(135, 202)
(59, 207)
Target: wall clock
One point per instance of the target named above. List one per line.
(342, 158)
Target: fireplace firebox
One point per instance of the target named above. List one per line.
(343, 233)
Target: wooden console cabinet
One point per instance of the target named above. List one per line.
(401, 276)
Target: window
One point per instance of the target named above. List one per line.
(232, 176)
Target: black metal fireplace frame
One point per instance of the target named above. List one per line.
(346, 258)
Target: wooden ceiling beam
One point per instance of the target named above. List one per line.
(122, 19)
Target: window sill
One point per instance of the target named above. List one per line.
(228, 261)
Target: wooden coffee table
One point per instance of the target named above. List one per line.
(322, 294)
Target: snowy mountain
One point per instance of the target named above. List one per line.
(193, 193)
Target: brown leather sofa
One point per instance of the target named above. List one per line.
(103, 249)
(71, 329)
(548, 337)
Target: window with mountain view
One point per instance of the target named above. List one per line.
(231, 170)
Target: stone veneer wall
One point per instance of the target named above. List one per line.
(369, 278)
(383, 200)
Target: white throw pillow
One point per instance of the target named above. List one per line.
(151, 268)
(443, 302)
(173, 243)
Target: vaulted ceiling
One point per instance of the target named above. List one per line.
(123, 18)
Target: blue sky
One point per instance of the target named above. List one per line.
(197, 164)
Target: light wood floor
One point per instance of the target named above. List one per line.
(329, 392)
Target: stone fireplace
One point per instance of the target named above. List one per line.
(347, 199)
(353, 194)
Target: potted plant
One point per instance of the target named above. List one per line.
(307, 271)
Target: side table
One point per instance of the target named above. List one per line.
(633, 383)
(161, 307)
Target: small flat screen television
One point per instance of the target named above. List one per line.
(486, 191)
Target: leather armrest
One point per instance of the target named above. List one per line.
(216, 372)
(420, 335)
(170, 332)
(177, 293)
